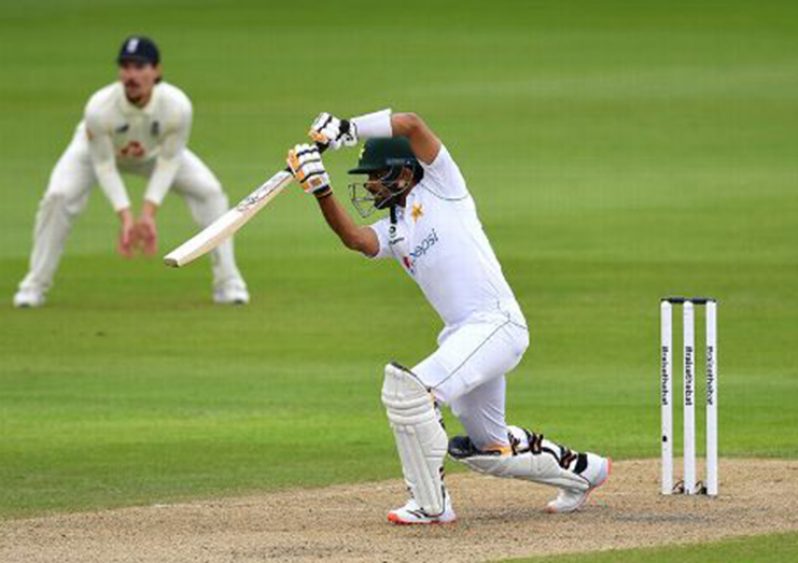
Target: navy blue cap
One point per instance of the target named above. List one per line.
(140, 49)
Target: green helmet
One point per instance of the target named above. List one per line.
(389, 156)
(384, 153)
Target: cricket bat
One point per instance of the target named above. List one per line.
(225, 226)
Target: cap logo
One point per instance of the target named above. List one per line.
(132, 45)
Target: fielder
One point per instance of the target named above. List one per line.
(433, 231)
(138, 125)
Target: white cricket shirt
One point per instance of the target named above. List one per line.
(121, 134)
(439, 241)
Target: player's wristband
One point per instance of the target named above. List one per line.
(372, 125)
(323, 193)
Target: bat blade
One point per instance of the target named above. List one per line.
(225, 226)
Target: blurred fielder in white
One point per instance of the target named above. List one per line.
(138, 125)
(432, 230)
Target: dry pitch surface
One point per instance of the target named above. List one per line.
(497, 519)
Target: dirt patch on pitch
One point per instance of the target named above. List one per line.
(497, 519)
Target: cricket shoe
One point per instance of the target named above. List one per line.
(411, 513)
(28, 298)
(231, 292)
(596, 473)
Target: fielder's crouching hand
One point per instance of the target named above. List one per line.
(127, 233)
(308, 169)
(146, 235)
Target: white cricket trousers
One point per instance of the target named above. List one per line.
(467, 372)
(67, 193)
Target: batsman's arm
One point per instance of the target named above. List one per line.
(305, 163)
(336, 133)
(423, 141)
(354, 236)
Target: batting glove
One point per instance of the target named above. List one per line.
(308, 169)
(333, 132)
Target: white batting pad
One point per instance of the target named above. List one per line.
(420, 438)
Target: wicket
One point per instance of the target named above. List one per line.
(688, 485)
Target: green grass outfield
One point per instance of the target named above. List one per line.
(617, 151)
(762, 549)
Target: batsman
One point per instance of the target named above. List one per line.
(432, 230)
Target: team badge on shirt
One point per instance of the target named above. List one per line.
(417, 212)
